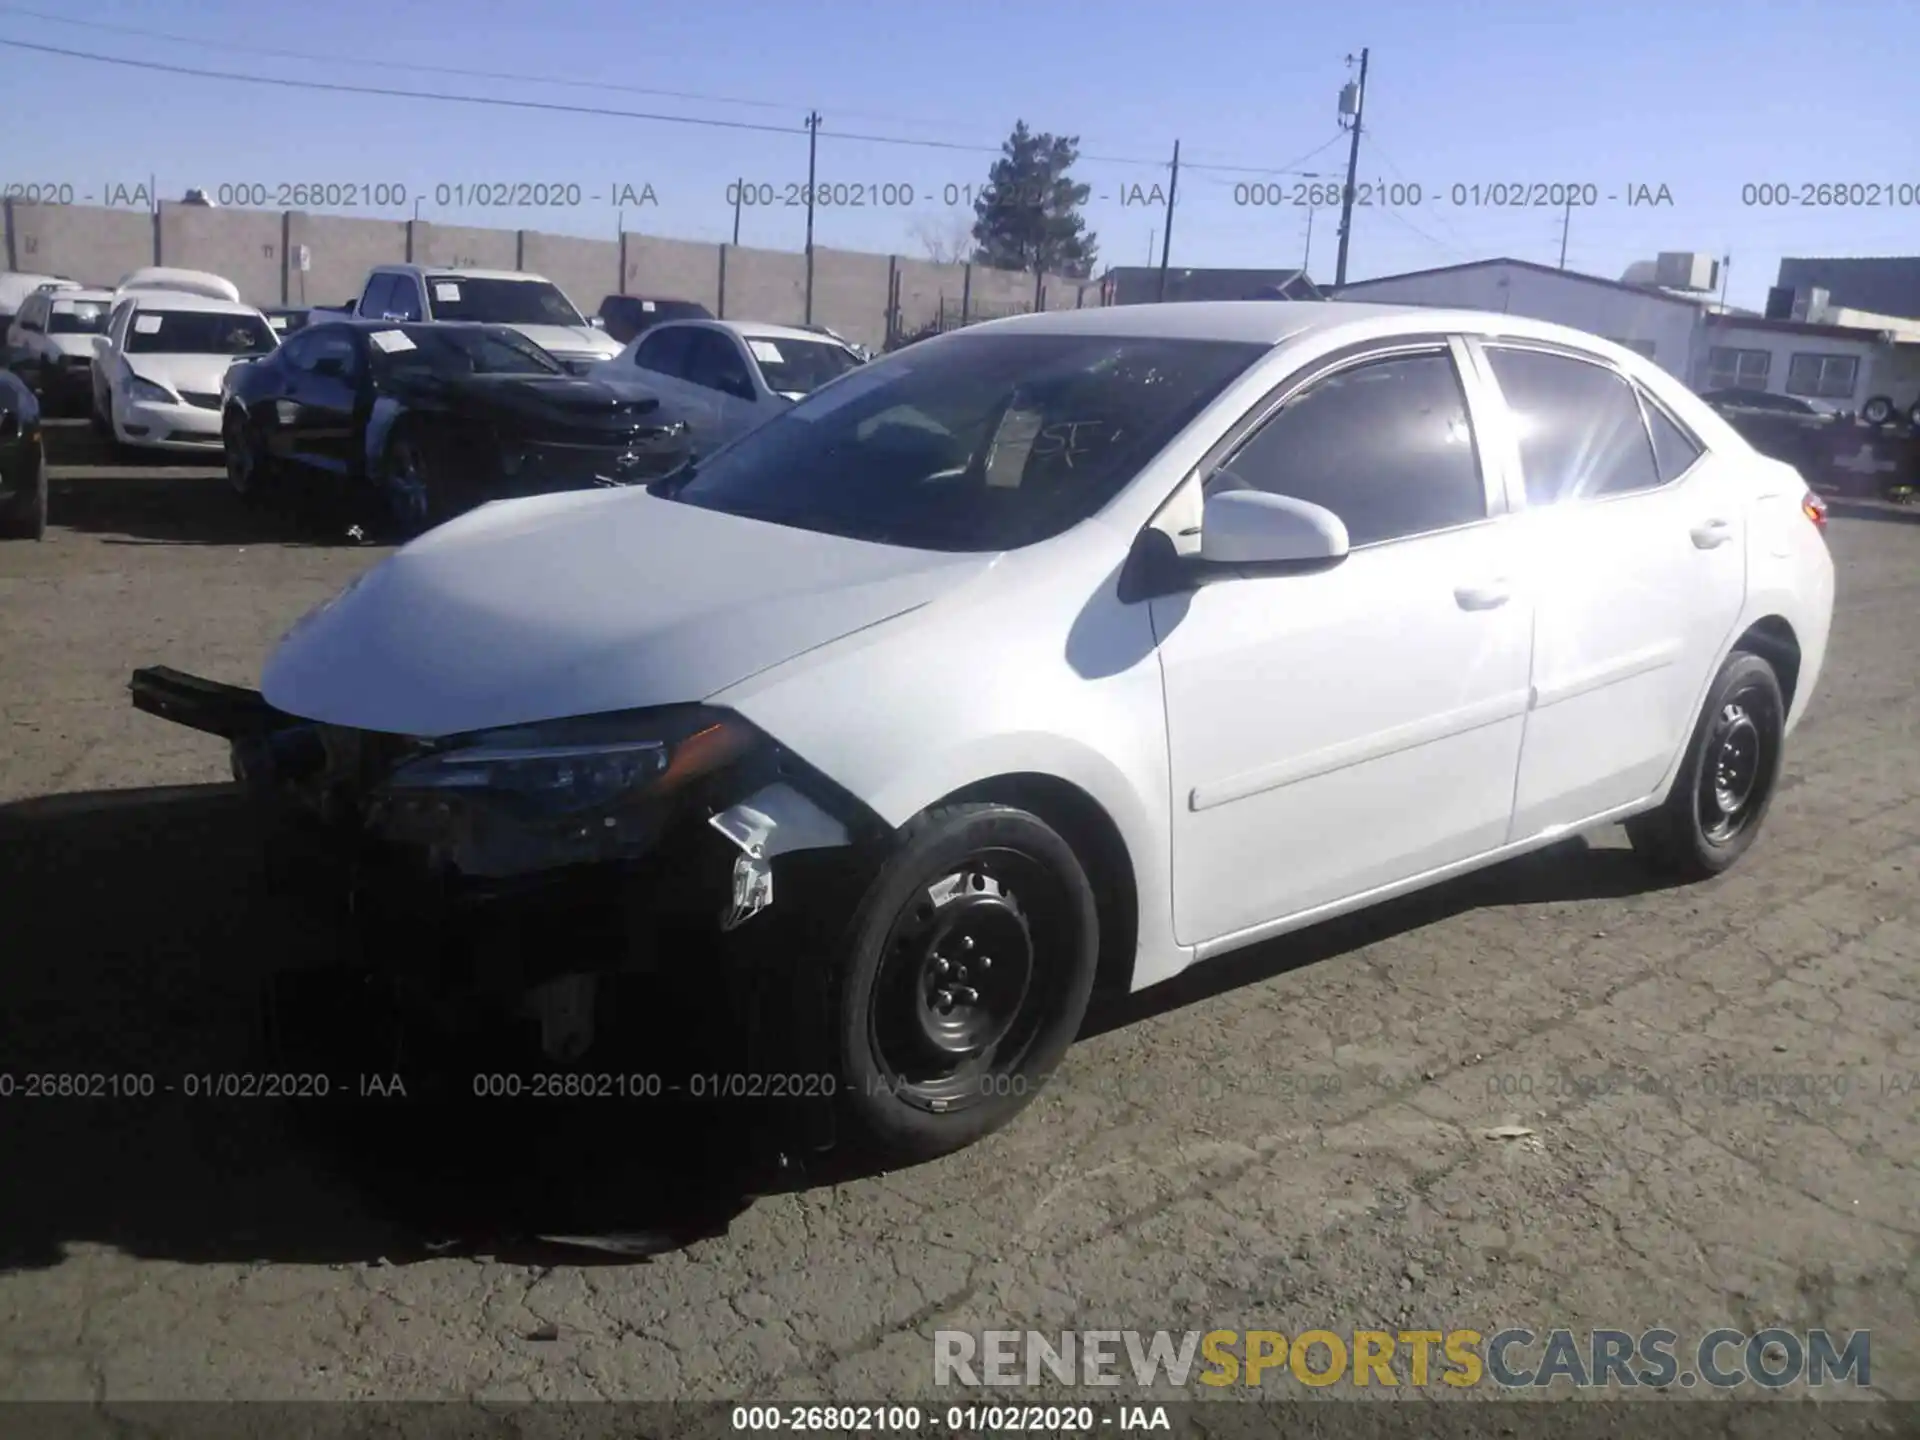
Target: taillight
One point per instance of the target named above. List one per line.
(1815, 509)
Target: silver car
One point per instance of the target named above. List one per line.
(725, 377)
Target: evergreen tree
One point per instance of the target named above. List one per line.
(1029, 218)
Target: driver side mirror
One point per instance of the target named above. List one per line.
(1256, 527)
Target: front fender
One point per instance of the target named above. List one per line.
(986, 684)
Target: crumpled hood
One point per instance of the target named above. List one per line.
(583, 603)
(201, 373)
(571, 340)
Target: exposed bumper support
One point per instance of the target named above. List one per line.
(772, 821)
(228, 711)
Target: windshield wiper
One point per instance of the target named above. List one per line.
(671, 483)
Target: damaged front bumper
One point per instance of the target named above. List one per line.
(482, 869)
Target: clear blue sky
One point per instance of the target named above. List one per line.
(1702, 99)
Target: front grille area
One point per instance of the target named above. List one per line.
(205, 400)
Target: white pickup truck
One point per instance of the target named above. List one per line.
(531, 304)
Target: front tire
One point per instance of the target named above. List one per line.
(245, 456)
(1877, 411)
(414, 483)
(1726, 783)
(963, 979)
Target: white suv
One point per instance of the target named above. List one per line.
(531, 304)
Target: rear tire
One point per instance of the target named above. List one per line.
(1713, 814)
(28, 520)
(931, 1046)
(1878, 410)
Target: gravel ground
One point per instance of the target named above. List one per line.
(1295, 1137)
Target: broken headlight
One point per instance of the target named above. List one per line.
(556, 793)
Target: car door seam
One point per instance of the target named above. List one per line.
(1611, 672)
(1346, 754)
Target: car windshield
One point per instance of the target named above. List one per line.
(77, 317)
(198, 332)
(463, 350)
(799, 367)
(972, 443)
(501, 302)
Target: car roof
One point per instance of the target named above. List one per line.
(84, 293)
(750, 329)
(456, 272)
(1270, 322)
(177, 300)
(367, 322)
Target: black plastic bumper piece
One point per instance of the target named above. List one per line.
(229, 711)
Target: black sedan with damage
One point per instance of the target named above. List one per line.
(23, 463)
(402, 426)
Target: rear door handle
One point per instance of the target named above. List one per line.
(1709, 533)
(1490, 596)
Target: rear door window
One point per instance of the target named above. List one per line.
(1581, 432)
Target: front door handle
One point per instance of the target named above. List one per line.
(1490, 596)
(1709, 533)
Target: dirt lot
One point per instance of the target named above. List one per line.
(1294, 1138)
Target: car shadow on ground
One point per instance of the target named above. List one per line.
(136, 508)
(140, 927)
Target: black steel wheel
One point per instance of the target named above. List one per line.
(966, 975)
(414, 483)
(1727, 781)
(246, 457)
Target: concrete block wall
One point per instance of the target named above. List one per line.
(340, 251)
(844, 284)
(258, 250)
(467, 246)
(924, 288)
(770, 285)
(242, 245)
(90, 243)
(588, 270)
(671, 269)
(1000, 292)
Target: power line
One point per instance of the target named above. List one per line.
(342, 89)
(556, 107)
(202, 43)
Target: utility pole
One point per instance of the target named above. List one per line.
(813, 148)
(1726, 273)
(1166, 236)
(1354, 99)
(738, 186)
(1566, 224)
(1306, 260)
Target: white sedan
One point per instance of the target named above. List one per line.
(724, 377)
(158, 369)
(1064, 650)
